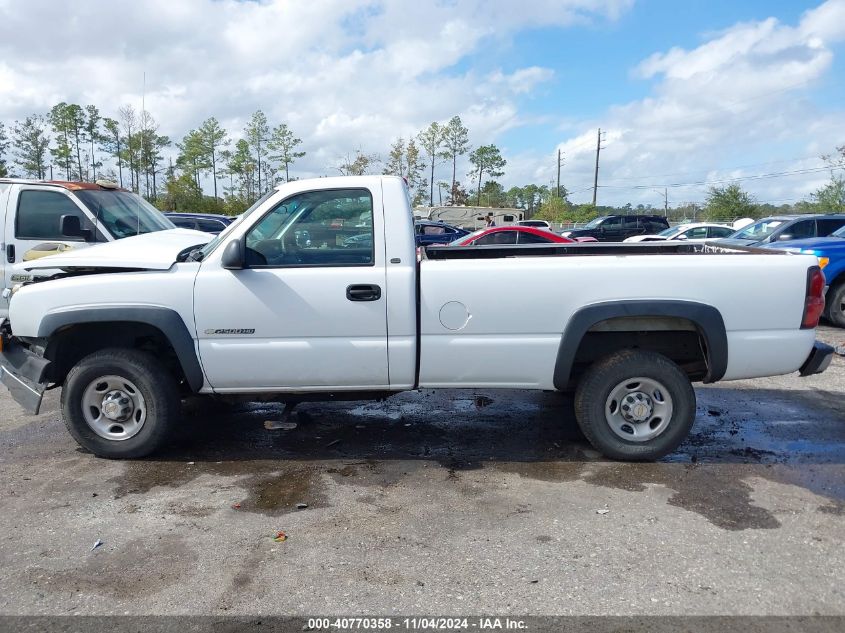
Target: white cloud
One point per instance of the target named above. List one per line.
(343, 74)
(740, 94)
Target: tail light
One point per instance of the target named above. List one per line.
(814, 301)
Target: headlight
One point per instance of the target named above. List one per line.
(823, 261)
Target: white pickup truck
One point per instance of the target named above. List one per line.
(318, 292)
(39, 218)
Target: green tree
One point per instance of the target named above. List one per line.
(831, 197)
(257, 134)
(31, 142)
(93, 136)
(182, 193)
(131, 144)
(492, 195)
(213, 139)
(358, 165)
(4, 146)
(193, 155)
(486, 159)
(110, 143)
(431, 140)
(455, 143)
(404, 160)
(59, 118)
(283, 146)
(728, 203)
(241, 167)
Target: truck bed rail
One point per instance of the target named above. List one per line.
(495, 251)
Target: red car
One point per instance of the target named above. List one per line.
(511, 235)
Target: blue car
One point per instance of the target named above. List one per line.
(428, 233)
(831, 253)
(207, 222)
(785, 228)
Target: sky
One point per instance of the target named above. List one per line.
(689, 94)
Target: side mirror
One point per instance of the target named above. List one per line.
(233, 255)
(682, 237)
(71, 226)
(783, 237)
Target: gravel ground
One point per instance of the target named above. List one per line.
(436, 503)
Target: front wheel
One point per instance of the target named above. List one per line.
(635, 405)
(120, 403)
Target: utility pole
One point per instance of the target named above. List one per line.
(559, 163)
(665, 194)
(596, 176)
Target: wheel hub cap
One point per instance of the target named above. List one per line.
(117, 405)
(637, 407)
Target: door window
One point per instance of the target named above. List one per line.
(40, 215)
(530, 238)
(721, 231)
(315, 228)
(498, 237)
(210, 226)
(801, 230)
(698, 233)
(826, 227)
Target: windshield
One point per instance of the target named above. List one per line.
(122, 213)
(838, 232)
(594, 223)
(759, 230)
(205, 250)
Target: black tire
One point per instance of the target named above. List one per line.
(833, 309)
(157, 386)
(604, 375)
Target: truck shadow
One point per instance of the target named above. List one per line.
(472, 442)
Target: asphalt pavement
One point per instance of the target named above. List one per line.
(441, 502)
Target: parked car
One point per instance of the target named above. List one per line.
(617, 228)
(429, 233)
(784, 228)
(205, 222)
(691, 232)
(44, 218)
(627, 327)
(537, 224)
(831, 253)
(511, 234)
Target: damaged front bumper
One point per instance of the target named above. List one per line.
(818, 360)
(23, 372)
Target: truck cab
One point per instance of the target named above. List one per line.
(40, 218)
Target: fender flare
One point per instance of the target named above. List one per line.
(707, 319)
(168, 321)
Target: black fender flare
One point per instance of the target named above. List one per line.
(164, 319)
(707, 319)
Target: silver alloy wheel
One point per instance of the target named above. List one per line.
(114, 408)
(638, 409)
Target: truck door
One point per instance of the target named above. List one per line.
(33, 223)
(305, 314)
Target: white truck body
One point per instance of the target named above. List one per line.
(504, 318)
(31, 214)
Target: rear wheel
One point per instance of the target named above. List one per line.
(834, 308)
(635, 405)
(120, 403)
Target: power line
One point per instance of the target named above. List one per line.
(781, 174)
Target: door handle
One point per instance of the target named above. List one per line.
(363, 292)
(10, 253)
